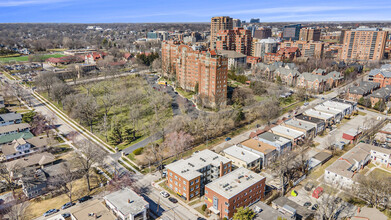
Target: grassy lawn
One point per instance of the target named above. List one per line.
(26, 58)
(362, 113)
(126, 144)
(320, 171)
(259, 98)
(380, 173)
(370, 165)
(184, 93)
(195, 201)
(37, 206)
(8, 76)
(199, 209)
(126, 166)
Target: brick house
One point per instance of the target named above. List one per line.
(381, 76)
(240, 188)
(288, 76)
(382, 94)
(363, 89)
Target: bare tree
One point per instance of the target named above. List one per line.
(328, 209)
(65, 181)
(18, 211)
(60, 90)
(90, 155)
(7, 174)
(283, 169)
(121, 182)
(177, 142)
(86, 110)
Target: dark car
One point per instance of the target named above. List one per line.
(315, 207)
(85, 198)
(67, 205)
(307, 204)
(227, 139)
(50, 212)
(160, 167)
(66, 215)
(337, 200)
(173, 200)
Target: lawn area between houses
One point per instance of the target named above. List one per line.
(40, 205)
(186, 94)
(379, 173)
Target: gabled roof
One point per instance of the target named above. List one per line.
(10, 116)
(382, 93)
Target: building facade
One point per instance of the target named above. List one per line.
(262, 33)
(194, 69)
(188, 177)
(240, 188)
(309, 34)
(291, 32)
(238, 39)
(217, 24)
(364, 44)
(307, 48)
(260, 47)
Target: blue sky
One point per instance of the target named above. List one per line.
(106, 11)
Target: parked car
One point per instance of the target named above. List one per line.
(315, 207)
(337, 200)
(164, 194)
(227, 139)
(306, 103)
(85, 198)
(50, 212)
(160, 167)
(67, 205)
(173, 200)
(307, 204)
(66, 215)
(308, 187)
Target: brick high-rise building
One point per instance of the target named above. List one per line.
(217, 24)
(194, 68)
(261, 47)
(238, 39)
(309, 34)
(307, 48)
(263, 33)
(364, 44)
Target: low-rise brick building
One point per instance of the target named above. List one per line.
(240, 188)
(188, 177)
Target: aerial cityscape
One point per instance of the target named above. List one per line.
(207, 110)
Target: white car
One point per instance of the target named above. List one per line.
(164, 194)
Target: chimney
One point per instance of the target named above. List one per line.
(128, 200)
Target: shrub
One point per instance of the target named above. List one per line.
(138, 151)
(203, 207)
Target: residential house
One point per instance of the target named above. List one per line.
(94, 57)
(35, 161)
(312, 82)
(188, 177)
(363, 89)
(280, 143)
(34, 184)
(382, 94)
(319, 71)
(347, 108)
(126, 204)
(337, 114)
(344, 171)
(288, 76)
(267, 152)
(292, 134)
(21, 148)
(381, 76)
(240, 188)
(266, 212)
(381, 156)
(283, 54)
(243, 158)
(309, 129)
(292, 209)
(351, 135)
(320, 124)
(13, 128)
(327, 118)
(10, 118)
(4, 139)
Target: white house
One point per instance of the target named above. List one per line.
(343, 172)
(127, 205)
(20, 147)
(381, 155)
(10, 118)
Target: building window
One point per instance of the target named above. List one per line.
(184, 182)
(197, 180)
(191, 189)
(197, 186)
(176, 177)
(191, 183)
(206, 191)
(170, 174)
(191, 195)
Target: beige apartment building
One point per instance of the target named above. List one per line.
(364, 44)
(217, 24)
(307, 48)
(309, 34)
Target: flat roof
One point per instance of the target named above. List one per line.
(337, 105)
(327, 109)
(82, 212)
(127, 201)
(234, 182)
(188, 168)
(259, 146)
(267, 213)
(275, 138)
(300, 210)
(241, 154)
(10, 116)
(300, 124)
(288, 131)
(309, 119)
(318, 114)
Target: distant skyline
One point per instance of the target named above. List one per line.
(153, 11)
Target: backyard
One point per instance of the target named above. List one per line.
(26, 58)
